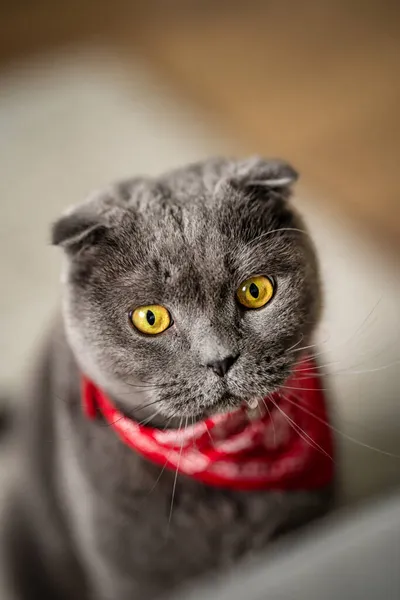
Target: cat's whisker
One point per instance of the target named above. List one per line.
(354, 371)
(175, 480)
(350, 371)
(338, 431)
(296, 344)
(303, 434)
(313, 355)
(304, 389)
(153, 487)
(210, 436)
(143, 406)
(174, 414)
(148, 419)
(131, 412)
(271, 417)
(346, 342)
(373, 370)
(339, 372)
(193, 424)
(311, 368)
(148, 385)
(316, 345)
(365, 321)
(272, 231)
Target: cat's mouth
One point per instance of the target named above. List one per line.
(254, 409)
(230, 403)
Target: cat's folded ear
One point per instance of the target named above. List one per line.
(86, 224)
(255, 171)
(75, 231)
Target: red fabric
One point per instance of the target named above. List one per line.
(287, 447)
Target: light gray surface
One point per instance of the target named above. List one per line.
(357, 558)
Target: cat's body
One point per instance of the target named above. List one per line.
(95, 520)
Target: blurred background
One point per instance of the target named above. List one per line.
(91, 91)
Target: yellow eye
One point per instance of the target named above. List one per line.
(151, 319)
(255, 292)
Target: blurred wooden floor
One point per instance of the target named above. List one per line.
(316, 82)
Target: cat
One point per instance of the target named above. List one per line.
(93, 519)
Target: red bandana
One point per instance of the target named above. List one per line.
(286, 446)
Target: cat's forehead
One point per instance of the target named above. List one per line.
(172, 226)
(185, 238)
(174, 218)
(203, 243)
(195, 232)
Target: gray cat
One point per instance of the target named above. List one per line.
(95, 520)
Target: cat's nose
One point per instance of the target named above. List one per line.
(221, 367)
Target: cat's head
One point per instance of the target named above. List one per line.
(188, 293)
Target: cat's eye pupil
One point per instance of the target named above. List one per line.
(151, 317)
(254, 291)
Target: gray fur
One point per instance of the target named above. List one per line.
(186, 240)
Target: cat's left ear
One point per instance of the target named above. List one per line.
(255, 171)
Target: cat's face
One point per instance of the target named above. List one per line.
(178, 249)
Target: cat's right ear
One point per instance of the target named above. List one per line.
(76, 230)
(86, 225)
